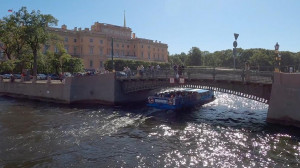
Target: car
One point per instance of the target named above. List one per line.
(67, 74)
(121, 74)
(6, 76)
(41, 77)
(17, 76)
(54, 76)
(79, 74)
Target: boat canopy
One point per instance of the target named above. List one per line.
(185, 90)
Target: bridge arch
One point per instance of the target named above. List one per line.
(254, 91)
(237, 93)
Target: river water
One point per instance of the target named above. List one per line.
(229, 132)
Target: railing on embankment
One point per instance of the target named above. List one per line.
(254, 85)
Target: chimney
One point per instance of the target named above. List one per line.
(133, 35)
(75, 28)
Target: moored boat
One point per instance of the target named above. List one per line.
(180, 98)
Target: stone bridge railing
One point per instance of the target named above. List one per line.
(254, 85)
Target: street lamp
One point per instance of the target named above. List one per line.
(234, 49)
(277, 58)
(112, 54)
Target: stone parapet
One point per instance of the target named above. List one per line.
(284, 106)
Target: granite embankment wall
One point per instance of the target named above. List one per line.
(284, 106)
(53, 92)
(84, 89)
(98, 89)
(93, 89)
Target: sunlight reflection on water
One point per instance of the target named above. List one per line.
(228, 132)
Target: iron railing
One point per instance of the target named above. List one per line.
(264, 77)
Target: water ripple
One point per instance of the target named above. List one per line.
(228, 132)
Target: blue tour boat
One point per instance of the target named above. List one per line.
(180, 98)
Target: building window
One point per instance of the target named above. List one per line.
(46, 47)
(75, 40)
(134, 46)
(55, 49)
(75, 50)
(118, 45)
(101, 64)
(122, 45)
(67, 49)
(101, 51)
(133, 53)
(91, 40)
(101, 41)
(127, 46)
(66, 39)
(142, 54)
(81, 40)
(148, 47)
(91, 63)
(149, 55)
(91, 50)
(1, 54)
(127, 53)
(142, 46)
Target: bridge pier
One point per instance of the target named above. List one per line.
(284, 105)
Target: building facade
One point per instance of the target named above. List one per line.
(94, 45)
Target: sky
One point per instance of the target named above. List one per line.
(183, 24)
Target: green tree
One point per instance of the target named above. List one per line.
(61, 61)
(34, 26)
(194, 57)
(259, 59)
(12, 35)
(7, 66)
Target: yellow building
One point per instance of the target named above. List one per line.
(94, 45)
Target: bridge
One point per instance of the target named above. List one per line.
(280, 90)
(255, 85)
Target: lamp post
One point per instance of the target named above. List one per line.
(277, 58)
(234, 49)
(112, 54)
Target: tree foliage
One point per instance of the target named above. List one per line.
(25, 29)
(120, 64)
(194, 57)
(257, 58)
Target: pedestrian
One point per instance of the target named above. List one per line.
(175, 70)
(61, 77)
